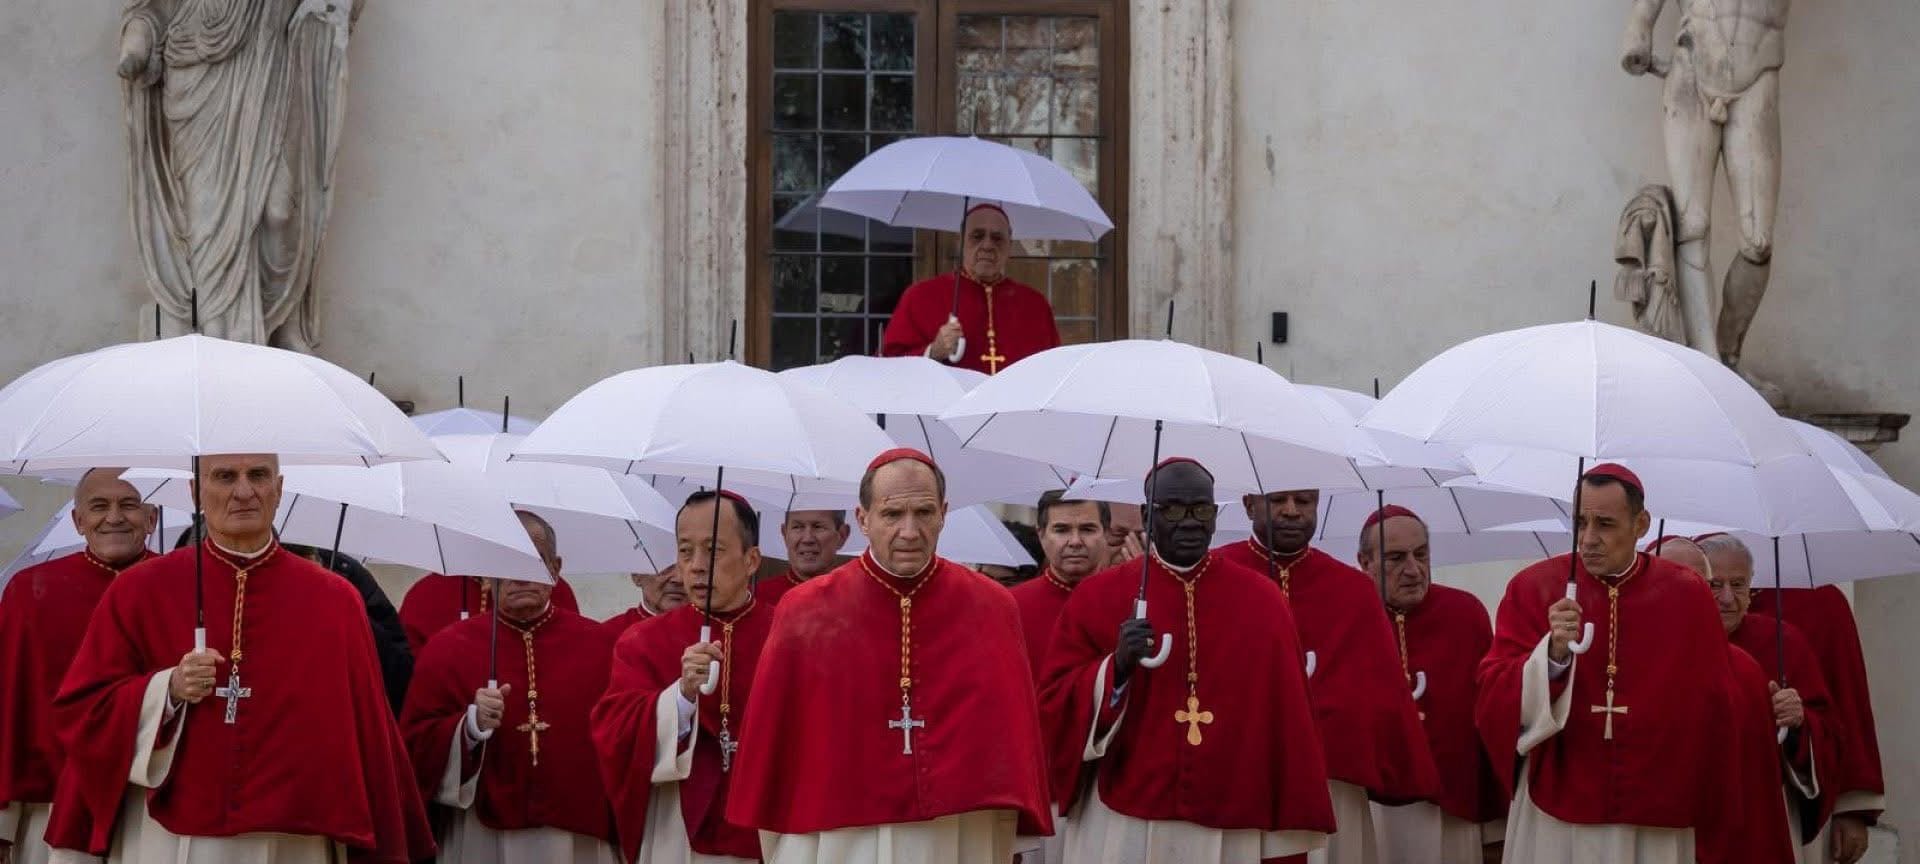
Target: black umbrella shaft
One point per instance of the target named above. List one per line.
(199, 566)
(339, 528)
(713, 544)
(493, 634)
(1380, 523)
(1780, 615)
(1146, 556)
(1573, 555)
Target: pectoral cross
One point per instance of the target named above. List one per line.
(533, 727)
(906, 724)
(1193, 717)
(233, 693)
(728, 747)
(993, 358)
(1609, 709)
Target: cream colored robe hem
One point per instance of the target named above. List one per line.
(1422, 833)
(140, 839)
(1536, 837)
(666, 839)
(1098, 835)
(470, 841)
(24, 825)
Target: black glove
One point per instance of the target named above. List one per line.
(1136, 641)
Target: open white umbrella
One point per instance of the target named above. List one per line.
(735, 424)
(471, 421)
(160, 404)
(1111, 409)
(929, 182)
(1585, 391)
(906, 395)
(602, 522)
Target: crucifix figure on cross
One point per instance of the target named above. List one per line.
(233, 693)
(906, 724)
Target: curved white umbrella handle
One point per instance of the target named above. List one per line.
(1780, 737)
(199, 639)
(1166, 639)
(713, 668)
(1419, 685)
(1586, 635)
(1313, 662)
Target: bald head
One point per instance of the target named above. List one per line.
(109, 514)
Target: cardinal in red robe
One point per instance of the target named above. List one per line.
(514, 761)
(893, 711)
(1370, 732)
(43, 613)
(438, 600)
(294, 758)
(1613, 755)
(1746, 822)
(1209, 757)
(667, 749)
(1442, 635)
(976, 318)
(1073, 542)
(660, 593)
(813, 539)
(1855, 782)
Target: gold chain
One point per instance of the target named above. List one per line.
(1188, 583)
(1400, 625)
(533, 726)
(1057, 581)
(235, 654)
(906, 625)
(1613, 622)
(111, 570)
(1284, 572)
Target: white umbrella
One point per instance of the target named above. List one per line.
(1812, 560)
(160, 404)
(8, 505)
(471, 421)
(430, 515)
(736, 424)
(1586, 391)
(972, 535)
(1834, 450)
(906, 395)
(602, 522)
(1111, 409)
(930, 182)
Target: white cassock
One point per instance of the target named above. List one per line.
(24, 825)
(1097, 834)
(470, 841)
(977, 837)
(675, 735)
(1816, 852)
(141, 840)
(1422, 833)
(1534, 836)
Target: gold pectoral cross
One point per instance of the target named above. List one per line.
(533, 727)
(1193, 717)
(993, 358)
(1609, 709)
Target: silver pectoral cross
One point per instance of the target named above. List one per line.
(906, 724)
(233, 693)
(728, 747)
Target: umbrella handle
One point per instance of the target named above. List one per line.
(199, 640)
(1419, 685)
(1780, 737)
(713, 667)
(1313, 662)
(1166, 639)
(960, 347)
(1586, 635)
(473, 712)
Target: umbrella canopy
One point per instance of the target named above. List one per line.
(602, 522)
(1385, 460)
(1835, 450)
(906, 395)
(471, 421)
(929, 182)
(1812, 560)
(430, 515)
(689, 420)
(1099, 409)
(1586, 389)
(159, 404)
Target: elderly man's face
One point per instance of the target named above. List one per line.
(524, 601)
(239, 494)
(903, 525)
(1125, 522)
(717, 567)
(662, 591)
(813, 538)
(1409, 575)
(988, 240)
(108, 512)
(1290, 518)
(1732, 585)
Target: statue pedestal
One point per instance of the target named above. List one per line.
(1866, 430)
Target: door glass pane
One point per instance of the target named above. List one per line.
(843, 86)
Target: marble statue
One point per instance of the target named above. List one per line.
(1722, 99)
(233, 111)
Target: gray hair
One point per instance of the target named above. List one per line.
(1726, 544)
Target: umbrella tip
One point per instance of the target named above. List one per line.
(1376, 386)
(1593, 298)
(1169, 317)
(460, 390)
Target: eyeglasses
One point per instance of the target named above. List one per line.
(1182, 512)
